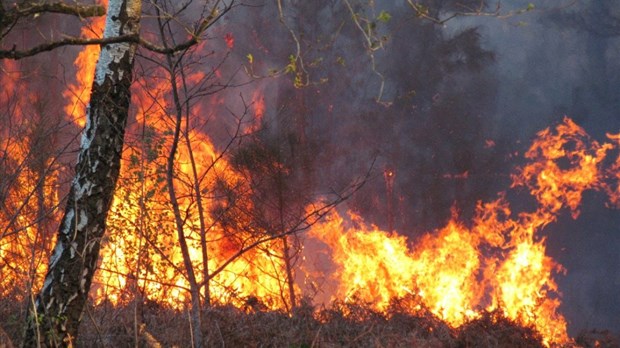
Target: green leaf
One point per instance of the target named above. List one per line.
(298, 82)
(530, 7)
(384, 17)
(292, 65)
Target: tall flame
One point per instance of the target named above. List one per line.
(147, 261)
(498, 263)
(28, 182)
(77, 94)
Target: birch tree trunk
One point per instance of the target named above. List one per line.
(55, 313)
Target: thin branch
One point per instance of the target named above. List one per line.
(422, 11)
(69, 41)
(372, 44)
(15, 54)
(298, 53)
(10, 17)
(303, 224)
(78, 10)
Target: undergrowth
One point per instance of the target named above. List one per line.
(351, 324)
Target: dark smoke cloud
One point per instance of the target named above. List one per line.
(564, 61)
(465, 101)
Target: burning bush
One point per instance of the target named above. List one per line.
(342, 324)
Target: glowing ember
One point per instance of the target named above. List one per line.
(230, 40)
(257, 108)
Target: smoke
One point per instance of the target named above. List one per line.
(460, 103)
(554, 62)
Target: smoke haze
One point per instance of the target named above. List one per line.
(458, 108)
(458, 105)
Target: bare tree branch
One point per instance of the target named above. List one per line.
(79, 10)
(69, 41)
(15, 54)
(10, 17)
(303, 224)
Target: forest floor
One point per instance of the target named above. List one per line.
(340, 325)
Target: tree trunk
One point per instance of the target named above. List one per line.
(195, 309)
(55, 313)
(201, 213)
(290, 281)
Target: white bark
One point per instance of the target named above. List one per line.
(55, 317)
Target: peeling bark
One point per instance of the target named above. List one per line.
(55, 314)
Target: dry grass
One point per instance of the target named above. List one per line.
(339, 325)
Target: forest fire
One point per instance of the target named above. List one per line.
(29, 188)
(78, 93)
(496, 262)
(198, 222)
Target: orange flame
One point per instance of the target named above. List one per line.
(230, 40)
(554, 186)
(78, 93)
(498, 263)
(613, 174)
(28, 183)
(147, 260)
